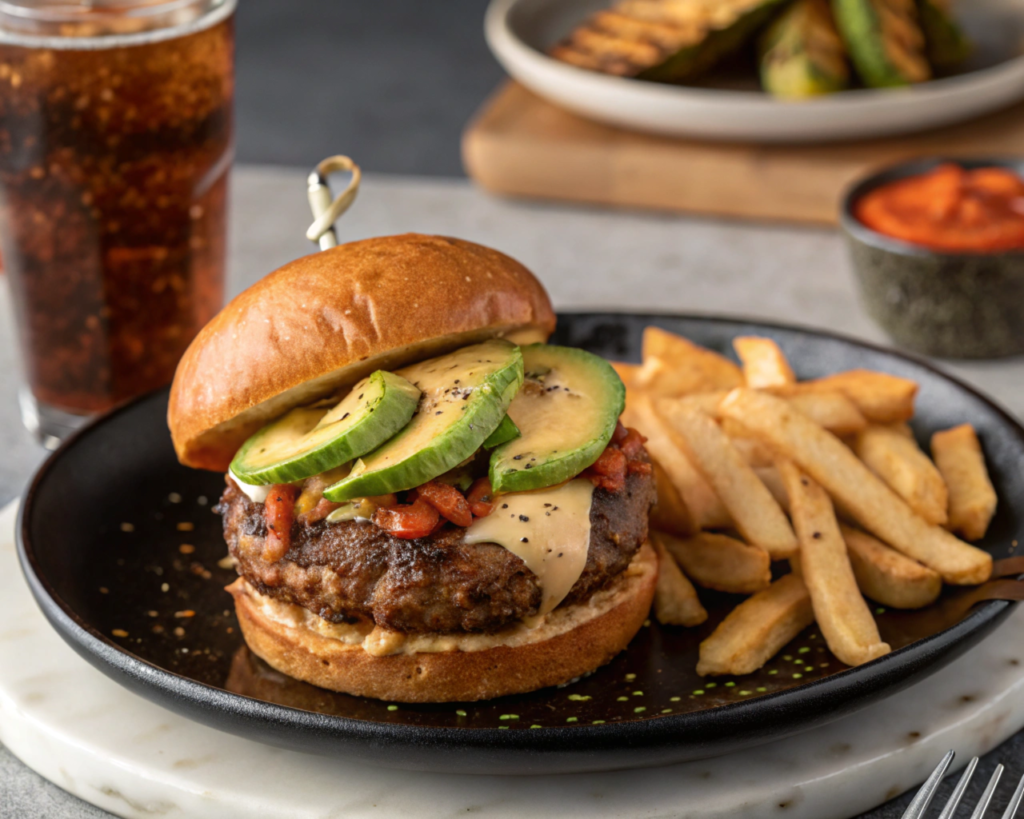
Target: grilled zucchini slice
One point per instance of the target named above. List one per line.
(946, 43)
(664, 40)
(884, 39)
(801, 53)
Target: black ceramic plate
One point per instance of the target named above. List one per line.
(120, 547)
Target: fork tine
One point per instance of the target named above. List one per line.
(958, 792)
(986, 797)
(1018, 795)
(927, 792)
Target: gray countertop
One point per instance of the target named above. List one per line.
(587, 259)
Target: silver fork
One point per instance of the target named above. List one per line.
(926, 794)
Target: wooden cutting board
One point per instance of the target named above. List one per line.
(520, 145)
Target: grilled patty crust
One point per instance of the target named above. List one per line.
(353, 571)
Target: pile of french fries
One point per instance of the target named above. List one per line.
(753, 466)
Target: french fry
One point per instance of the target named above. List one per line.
(842, 615)
(656, 377)
(886, 576)
(675, 599)
(757, 629)
(831, 410)
(627, 372)
(669, 512)
(720, 562)
(771, 478)
(706, 402)
(972, 499)
(896, 459)
(902, 428)
(856, 488)
(751, 506)
(706, 509)
(882, 398)
(756, 454)
(674, 366)
(732, 427)
(764, 364)
(863, 495)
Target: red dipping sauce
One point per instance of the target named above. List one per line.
(950, 209)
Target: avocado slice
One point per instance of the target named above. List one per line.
(506, 431)
(885, 41)
(566, 412)
(946, 43)
(801, 53)
(311, 440)
(465, 396)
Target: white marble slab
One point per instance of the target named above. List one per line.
(113, 749)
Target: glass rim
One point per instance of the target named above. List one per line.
(218, 11)
(70, 11)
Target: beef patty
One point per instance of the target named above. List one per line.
(353, 571)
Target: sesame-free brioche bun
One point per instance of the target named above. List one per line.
(572, 641)
(322, 322)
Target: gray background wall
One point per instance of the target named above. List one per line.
(389, 82)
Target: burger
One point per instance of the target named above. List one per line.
(424, 501)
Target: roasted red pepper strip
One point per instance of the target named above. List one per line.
(609, 470)
(447, 500)
(481, 502)
(620, 458)
(632, 444)
(323, 508)
(408, 522)
(279, 512)
(611, 462)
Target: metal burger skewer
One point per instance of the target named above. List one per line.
(325, 210)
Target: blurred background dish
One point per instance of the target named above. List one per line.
(521, 32)
(952, 302)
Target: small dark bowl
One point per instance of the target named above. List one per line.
(951, 305)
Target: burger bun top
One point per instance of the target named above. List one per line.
(317, 325)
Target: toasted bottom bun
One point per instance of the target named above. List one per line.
(568, 643)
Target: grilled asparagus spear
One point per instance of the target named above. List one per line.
(884, 39)
(664, 40)
(947, 45)
(801, 53)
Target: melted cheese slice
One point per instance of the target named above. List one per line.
(549, 530)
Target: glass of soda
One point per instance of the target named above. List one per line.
(115, 148)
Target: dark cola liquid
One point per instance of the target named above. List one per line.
(113, 193)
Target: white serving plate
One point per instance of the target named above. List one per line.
(520, 31)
